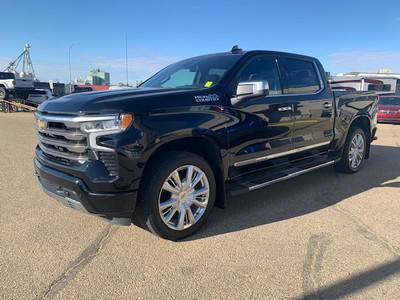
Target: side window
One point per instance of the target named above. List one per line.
(263, 69)
(301, 76)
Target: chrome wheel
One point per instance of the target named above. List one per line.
(184, 197)
(356, 151)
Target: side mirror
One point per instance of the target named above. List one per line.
(249, 90)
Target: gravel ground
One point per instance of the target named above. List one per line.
(323, 235)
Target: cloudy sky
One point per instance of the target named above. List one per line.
(345, 35)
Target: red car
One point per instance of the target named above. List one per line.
(389, 109)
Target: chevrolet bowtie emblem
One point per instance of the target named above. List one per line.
(41, 125)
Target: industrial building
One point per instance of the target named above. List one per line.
(97, 77)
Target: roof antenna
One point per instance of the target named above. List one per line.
(236, 49)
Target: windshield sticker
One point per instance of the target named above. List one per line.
(208, 84)
(208, 98)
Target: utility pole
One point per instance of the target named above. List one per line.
(69, 62)
(126, 58)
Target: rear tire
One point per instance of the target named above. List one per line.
(3, 93)
(354, 151)
(177, 195)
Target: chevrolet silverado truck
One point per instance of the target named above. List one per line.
(10, 85)
(163, 155)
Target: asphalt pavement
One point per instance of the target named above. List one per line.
(323, 235)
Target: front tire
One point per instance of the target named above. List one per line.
(177, 195)
(354, 151)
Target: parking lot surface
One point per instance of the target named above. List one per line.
(323, 235)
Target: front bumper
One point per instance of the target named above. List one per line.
(392, 117)
(389, 119)
(73, 192)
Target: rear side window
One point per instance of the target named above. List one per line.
(301, 76)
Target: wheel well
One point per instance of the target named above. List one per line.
(363, 123)
(205, 147)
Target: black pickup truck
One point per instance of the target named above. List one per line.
(162, 155)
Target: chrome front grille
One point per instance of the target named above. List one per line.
(72, 140)
(58, 152)
(61, 137)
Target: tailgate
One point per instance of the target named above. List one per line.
(23, 83)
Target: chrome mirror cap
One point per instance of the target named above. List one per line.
(250, 89)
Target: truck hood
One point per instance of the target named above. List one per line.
(115, 101)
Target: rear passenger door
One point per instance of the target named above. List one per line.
(312, 103)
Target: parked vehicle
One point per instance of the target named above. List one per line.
(82, 89)
(39, 95)
(10, 85)
(373, 83)
(165, 153)
(389, 109)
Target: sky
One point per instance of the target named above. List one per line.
(345, 36)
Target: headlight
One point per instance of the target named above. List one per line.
(105, 125)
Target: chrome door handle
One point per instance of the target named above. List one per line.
(284, 108)
(327, 105)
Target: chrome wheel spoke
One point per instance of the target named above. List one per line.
(190, 218)
(360, 142)
(196, 180)
(201, 191)
(176, 179)
(353, 162)
(181, 220)
(360, 155)
(200, 203)
(189, 175)
(169, 188)
(170, 214)
(167, 204)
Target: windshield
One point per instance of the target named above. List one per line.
(389, 101)
(193, 73)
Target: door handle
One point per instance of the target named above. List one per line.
(327, 105)
(284, 108)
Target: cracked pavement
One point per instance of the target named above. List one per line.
(323, 235)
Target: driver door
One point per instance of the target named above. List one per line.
(264, 128)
